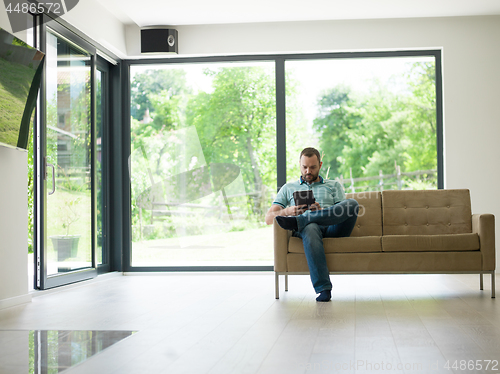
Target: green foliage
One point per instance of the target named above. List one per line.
(369, 133)
(71, 178)
(154, 82)
(19, 42)
(422, 111)
(296, 122)
(336, 122)
(99, 180)
(236, 123)
(69, 213)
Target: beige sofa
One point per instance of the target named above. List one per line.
(402, 232)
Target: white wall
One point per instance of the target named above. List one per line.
(13, 216)
(99, 25)
(4, 21)
(96, 22)
(13, 227)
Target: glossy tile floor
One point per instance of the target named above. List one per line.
(231, 323)
(54, 351)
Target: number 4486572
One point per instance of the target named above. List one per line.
(472, 365)
(34, 8)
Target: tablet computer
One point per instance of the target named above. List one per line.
(304, 198)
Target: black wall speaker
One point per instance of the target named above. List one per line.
(157, 40)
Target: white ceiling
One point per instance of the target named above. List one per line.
(192, 12)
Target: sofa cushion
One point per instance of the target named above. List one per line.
(430, 212)
(396, 262)
(369, 222)
(430, 243)
(341, 245)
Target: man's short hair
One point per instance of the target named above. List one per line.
(309, 152)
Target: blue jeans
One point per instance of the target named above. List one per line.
(334, 222)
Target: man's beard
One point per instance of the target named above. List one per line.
(310, 177)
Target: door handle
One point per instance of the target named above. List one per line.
(53, 179)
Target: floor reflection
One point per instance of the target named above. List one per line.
(52, 351)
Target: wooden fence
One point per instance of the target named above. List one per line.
(383, 180)
(236, 210)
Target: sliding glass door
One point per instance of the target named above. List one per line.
(69, 169)
(69, 157)
(102, 77)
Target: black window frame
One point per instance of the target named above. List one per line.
(281, 162)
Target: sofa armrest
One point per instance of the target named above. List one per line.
(281, 239)
(484, 226)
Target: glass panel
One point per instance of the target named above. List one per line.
(69, 244)
(99, 130)
(203, 163)
(374, 120)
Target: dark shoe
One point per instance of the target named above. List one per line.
(325, 295)
(287, 223)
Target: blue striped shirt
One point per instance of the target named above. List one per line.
(326, 192)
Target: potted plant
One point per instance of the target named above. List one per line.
(66, 245)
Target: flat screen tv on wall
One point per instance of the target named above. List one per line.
(20, 74)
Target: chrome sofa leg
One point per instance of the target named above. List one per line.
(481, 281)
(277, 285)
(286, 282)
(493, 284)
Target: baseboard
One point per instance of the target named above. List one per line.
(15, 301)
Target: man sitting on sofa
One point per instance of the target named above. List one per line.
(331, 216)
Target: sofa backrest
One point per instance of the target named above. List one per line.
(369, 222)
(430, 212)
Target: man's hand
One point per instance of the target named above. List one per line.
(315, 206)
(295, 210)
(277, 210)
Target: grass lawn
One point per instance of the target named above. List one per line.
(253, 245)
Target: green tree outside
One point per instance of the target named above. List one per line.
(373, 132)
